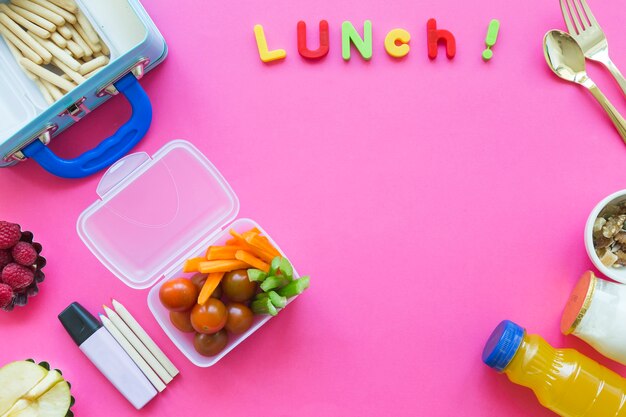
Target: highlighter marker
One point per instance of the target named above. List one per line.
(107, 355)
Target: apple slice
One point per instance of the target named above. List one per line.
(16, 379)
(53, 403)
(49, 381)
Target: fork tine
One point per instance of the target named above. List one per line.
(568, 21)
(575, 17)
(590, 16)
(581, 14)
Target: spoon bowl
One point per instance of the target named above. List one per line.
(564, 56)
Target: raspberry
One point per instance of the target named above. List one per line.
(17, 276)
(6, 295)
(10, 234)
(24, 254)
(5, 258)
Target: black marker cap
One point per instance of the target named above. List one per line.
(79, 323)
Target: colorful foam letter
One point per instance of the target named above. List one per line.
(350, 35)
(265, 54)
(435, 35)
(320, 52)
(492, 37)
(395, 37)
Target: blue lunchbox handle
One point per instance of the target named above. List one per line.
(110, 149)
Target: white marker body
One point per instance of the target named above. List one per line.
(115, 364)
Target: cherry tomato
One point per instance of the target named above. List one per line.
(240, 318)
(210, 317)
(178, 294)
(237, 287)
(210, 344)
(199, 280)
(182, 320)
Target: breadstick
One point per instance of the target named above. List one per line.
(68, 5)
(46, 75)
(25, 49)
(92, 35)
(32, 17)
(26, 24)
(95, 47)
(25, 37)
(41, 11)
(65, 32)
(73, 75)
(69, 17)
(54, 91)
(44, 91)
(59, 53)
(17, 55)
(58, 39)
(105, 49)
(80, 41)
(88, 67)
(77, 51)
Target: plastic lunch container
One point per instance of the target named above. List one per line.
(617, 274)
(155, 213)
(27, 122)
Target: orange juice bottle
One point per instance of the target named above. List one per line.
(564, 380)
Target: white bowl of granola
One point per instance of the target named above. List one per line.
(605, 236)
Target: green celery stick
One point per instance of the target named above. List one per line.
(271, 283)
(264, 306)
(295, 287)
(256, 275)
(281, 266)
(277, 300)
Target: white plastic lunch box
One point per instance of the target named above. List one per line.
(155, 213)
(27, 122)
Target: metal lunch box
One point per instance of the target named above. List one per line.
(28, 122)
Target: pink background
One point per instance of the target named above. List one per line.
(428, 200)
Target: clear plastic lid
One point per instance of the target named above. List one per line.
(153, 211)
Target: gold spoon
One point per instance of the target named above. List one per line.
(567, 60)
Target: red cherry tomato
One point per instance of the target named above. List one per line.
(182, 320)
(210, 344)
(240, 318)
(237, 287)
(210, 317)
(178, 294)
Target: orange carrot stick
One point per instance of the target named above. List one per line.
(222, 252)
(262, 243)
(259, 253)
(250, 259)
(209, 267)
(191, 265)
(211, 283)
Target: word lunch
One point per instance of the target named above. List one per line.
(396, 41)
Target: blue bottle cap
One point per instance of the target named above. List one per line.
(502, 345)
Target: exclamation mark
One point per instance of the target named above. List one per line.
(492, 37)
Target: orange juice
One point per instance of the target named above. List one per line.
(564, 380)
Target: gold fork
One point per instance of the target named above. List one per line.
(584, 28)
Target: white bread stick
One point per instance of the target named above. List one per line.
(98, 62)
(25, 23)
(17, 55)
(80, 41)
(41, 11)
(73, 75)
(25, 37)
(32, 17)
(105, 49)
(44, 91)
(52, 89)
(75, 49)
(69, 5)
(47, 75)
(69, 17)
(95, 47)
(65, 32)
(58, 40)
(58, 53)
(25, 49)
(92, 35)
